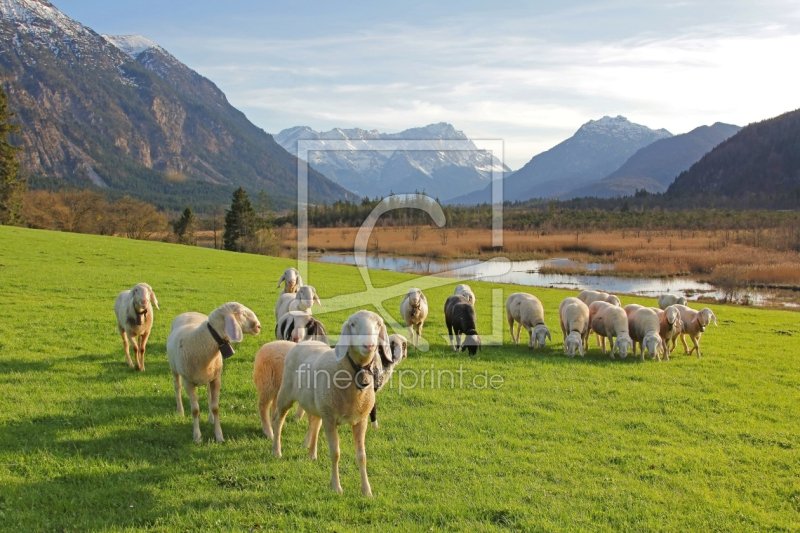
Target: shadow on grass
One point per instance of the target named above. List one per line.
(9, 366)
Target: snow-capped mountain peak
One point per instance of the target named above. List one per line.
(620, 126)
(133, 45)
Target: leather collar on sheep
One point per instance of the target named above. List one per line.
(224, 345)
(141, 316)
(360, 370)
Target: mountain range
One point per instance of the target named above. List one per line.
(121, 113)
(597, 149)
(369, 170)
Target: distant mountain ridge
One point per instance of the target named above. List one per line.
(656, 166)
(437, 170)
(597, 149)
(763, 158)
(120, 112)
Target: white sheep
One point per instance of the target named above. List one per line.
(614, 300)
(610, 321)
(334, 387)
(464, 290)
(671, 327)
(293, 281)
(196, 346)
(414, 310)
(643, 327)
(528, 312)
(135, 320)
(665, 300)
(302, 300)
(589, 297)
(694, 324)
(574, 317)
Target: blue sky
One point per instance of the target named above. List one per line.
(527, 73)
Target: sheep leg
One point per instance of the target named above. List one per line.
(419, 332)
(314, 425)
(450, 335)
(176, 380)
(332, 435)
(696, 346)
(285, 403)
(132, 339)
(359, 433)
(127, 348)
(214, 387)
(612, 344)
(511, 327)
(410, 329)
(685, 346)
(142, 347)
(264, 404)
(191, 390)
(298, 414)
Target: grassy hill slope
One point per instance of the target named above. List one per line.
(585, 444)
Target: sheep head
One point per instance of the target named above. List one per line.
(472, 342)
(292, 279)
(235, 320)
(623, 344)
(415, 297)
(681, 300)
(307, 296)
(705, 316)
(398, 348)
(613, 300)
(540, 332)
(672, 315)
(652, 341)
(573, 343)
(362, 333)
(141, 294)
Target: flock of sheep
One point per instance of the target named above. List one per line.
(336, 385)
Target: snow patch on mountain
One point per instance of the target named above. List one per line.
(133, 45)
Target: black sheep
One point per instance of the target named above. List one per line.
(460, 318)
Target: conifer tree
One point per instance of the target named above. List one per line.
(239, 221)
(11, 184)
(184, 227)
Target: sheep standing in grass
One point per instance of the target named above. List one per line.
(589, 297)
(293, 281)
(528, 312)
(460, 317)
(302, 300)
(135, 320)
(334, 387)
(464, 290)
(195, 348)
(671, 326)
(694, 324)
(665, 300)
(610, 321)
(644, 326)
(298, 326)
(414, 310)
(574, 317)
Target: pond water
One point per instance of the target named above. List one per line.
(527, 273)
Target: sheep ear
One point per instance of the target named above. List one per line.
(153, 298)
(714, 317)
(548, 334)
(580, 349)
(299, 281)
(383, 341)
(422, 296)
(232, 329)
(344, 342)
(316, 299)
(283, 278)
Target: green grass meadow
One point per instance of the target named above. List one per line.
(88, 444)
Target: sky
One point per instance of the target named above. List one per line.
(526, 73)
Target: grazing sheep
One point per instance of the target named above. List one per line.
(671, 326)
(614, 300)
(527, 310)
(293, 281)
(694, 324)
(643, 327)
(196, 346)
(297, 326)
(665, 300)
(464, 290)
(574, 318)
(612, 322)
(588, 297)
(135, 320)
(630, 308)
(460, 317)
(302, 300)
(414, 310)
(334, 386)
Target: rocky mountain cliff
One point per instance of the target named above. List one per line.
(656, 166)
(121, 113)
(369, 171)
(763, 158)
(598, 148)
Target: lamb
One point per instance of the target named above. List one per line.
(671, 326)
(611, 321)
(135, 320)
(643, 326)
(298, 326)
(460, 317)
(414, 310)
(196, 346)
(694, 324)
(527, 310)
(302, 300)
(464, 290)
(293, 281)
(334, 387)
(574, 317)
(665, 300)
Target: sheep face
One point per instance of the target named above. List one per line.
(681, 300)
(465, 291)
(471, 343)
(704, 318)
(414, 297)
(613, 300)
(573, 344)
(141, 294)
(292, 279)
(623, 344)
(653, 344)
(540, 333)
(307, 296)
(241, 321)
(672, 314)
(361, 335)
(398, 346)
